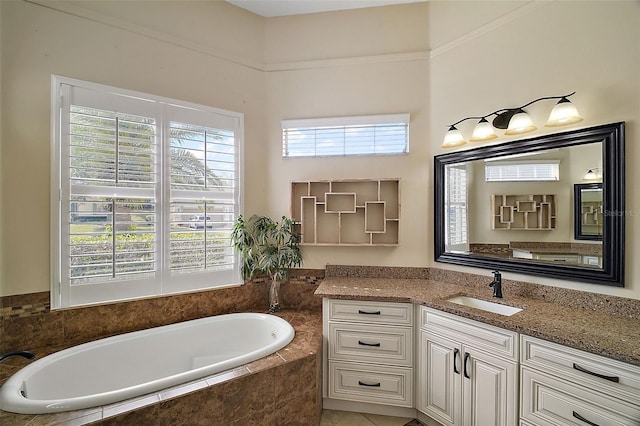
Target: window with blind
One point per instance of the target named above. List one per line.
(522, 171)
(344, 136)
(146, 191)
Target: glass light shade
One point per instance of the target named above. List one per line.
(563, 113)
(483, 131)
(453, 138)
(591, 175)
(520, 123)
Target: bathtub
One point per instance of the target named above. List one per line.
(133, 364)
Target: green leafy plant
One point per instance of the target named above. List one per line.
(267, 247)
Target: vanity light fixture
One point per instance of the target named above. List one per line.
(514, 121)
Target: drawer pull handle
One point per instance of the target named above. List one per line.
(615, 379)
(374, 385)
(376, 345)
(466, 358)
(360, 311)
(456, 353)
(579, 417)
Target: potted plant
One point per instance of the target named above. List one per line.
(267, 247)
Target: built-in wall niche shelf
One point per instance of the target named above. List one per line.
(351, 212)
(523, 212)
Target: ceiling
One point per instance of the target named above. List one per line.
(271, 8)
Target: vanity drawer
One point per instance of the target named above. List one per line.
(371, 312)
(371, 383)
(367, 343)
(607, 375)
(493, 340)
(548, 401)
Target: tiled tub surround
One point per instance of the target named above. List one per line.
(281, 389)
(27, 323)
(600, 324)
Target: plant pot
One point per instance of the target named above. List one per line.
(274, 296)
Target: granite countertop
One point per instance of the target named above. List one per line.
(607, 334)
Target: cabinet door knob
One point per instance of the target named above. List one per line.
(615, 379)
(466, 358)
(456, 353)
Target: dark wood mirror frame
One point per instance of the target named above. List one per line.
(613, 197)
(578, 231)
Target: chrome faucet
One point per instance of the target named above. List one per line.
(26, 354)
(496, 284)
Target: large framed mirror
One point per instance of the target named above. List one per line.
(512, 206)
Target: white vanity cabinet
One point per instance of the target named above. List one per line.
(369, 352)
(565, 386)
(467, 371)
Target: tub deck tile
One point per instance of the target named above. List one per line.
(261, 392)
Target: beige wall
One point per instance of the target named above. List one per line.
(371, 61)
(439, 61)
(541, 49)
(38, 41)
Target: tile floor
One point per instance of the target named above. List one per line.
(345, 418)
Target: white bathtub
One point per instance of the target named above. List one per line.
(125, 366)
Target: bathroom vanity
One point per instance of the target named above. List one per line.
(470, 366)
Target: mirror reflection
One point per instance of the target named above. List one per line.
(552, 205)
(588, 213)
(522, 206)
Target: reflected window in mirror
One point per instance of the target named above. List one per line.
(513, 206)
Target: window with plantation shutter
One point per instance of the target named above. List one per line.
(345, 136)
(456, 235)
(146, 191)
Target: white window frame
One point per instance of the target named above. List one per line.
(63, 294)
(340, 127)
(522, 170)
(457, 239)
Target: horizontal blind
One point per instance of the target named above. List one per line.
(344, 136)
(520, 171)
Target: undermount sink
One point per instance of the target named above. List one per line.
(496, 308)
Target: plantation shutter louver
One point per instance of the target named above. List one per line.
(148, 193)
(456, 238)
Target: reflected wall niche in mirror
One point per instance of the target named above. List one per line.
(514, 206)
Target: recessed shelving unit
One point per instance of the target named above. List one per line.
(352, 212)
(532, 212)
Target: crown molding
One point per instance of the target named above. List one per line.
(354, 60)
(81, 12)
(491, 26)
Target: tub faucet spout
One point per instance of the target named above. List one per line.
(496, 284)
(26, 354)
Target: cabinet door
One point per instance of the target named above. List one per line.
(439, 379)
(490, 389)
